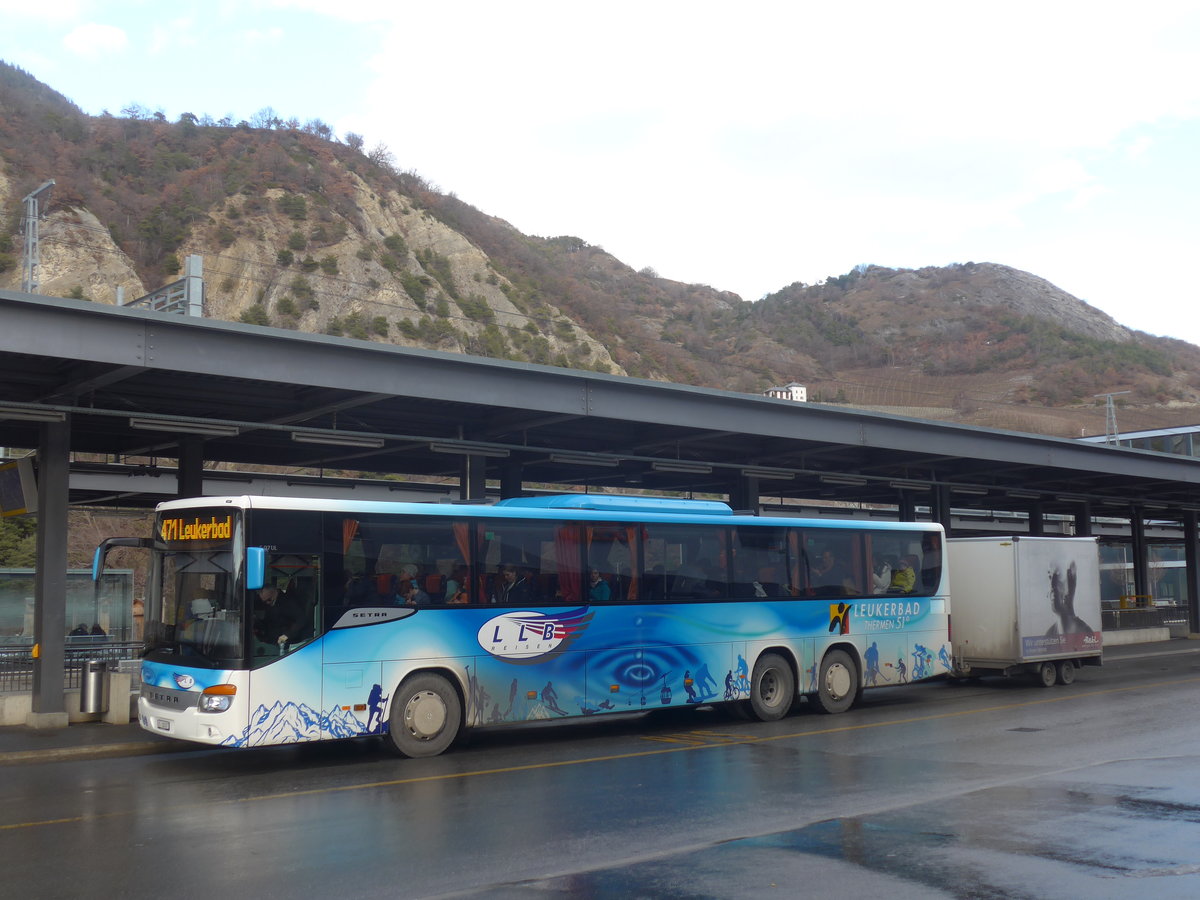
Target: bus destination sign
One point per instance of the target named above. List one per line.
(198, 528)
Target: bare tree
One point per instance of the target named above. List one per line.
(264, 118)
(319, 128)
(381, 156)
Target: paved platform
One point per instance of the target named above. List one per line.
(22, 745)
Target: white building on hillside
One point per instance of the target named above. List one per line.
(790, 391)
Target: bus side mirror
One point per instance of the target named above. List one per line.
(256, 567)
(108, 543)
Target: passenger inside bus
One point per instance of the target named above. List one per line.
(598, 589)
(830, 575)
(514, 588)
(904, 577)
(408, 594)
(456, 585)
(280, 618)
(881, 574)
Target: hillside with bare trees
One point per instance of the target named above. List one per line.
(300, 228)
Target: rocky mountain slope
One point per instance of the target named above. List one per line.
(298, 229)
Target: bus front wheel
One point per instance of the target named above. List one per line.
(772, 688)
(837, 683)
(425, 716)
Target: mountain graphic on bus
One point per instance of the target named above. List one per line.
(292, 723)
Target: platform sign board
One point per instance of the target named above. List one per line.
(18, 488)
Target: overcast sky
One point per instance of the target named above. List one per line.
(745, 146)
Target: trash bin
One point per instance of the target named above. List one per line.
(93, 687)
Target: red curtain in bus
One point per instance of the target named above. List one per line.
(462, 537)
(566, 552)
(797, 575)
(861, 562)
(349, 531)
(631, 541)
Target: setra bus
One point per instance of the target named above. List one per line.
(276, 620)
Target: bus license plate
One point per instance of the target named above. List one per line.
(162, 724)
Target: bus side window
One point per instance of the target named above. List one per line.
(692, 559)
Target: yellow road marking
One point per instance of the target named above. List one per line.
(722, 739)
(45, 822)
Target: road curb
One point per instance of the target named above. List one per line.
(89, 751)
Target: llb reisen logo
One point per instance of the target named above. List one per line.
(524, 636)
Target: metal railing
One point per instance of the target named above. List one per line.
(16, 661)
(1173, 617)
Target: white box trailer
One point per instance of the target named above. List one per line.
(1024, 604)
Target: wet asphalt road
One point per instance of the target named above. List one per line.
(991, 790)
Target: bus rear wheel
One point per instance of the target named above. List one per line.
(772, 687)
(837, 682)
(425, 717)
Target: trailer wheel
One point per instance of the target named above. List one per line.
(772, 687)
(1065, 671)
(1047, 674)
(837, 682)
(425, 716)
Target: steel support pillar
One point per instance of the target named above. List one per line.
(472, 482)
(744, 495)
(191, 467)
(1141, 571)
(1037, 521)
(48, 707)
(907, 511)
(1083, 520)
(1191, 535)
(511, 484)
(940, 511)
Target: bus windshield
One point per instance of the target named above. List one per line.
(194, 606)
(198, 613)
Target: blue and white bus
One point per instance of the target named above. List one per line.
(279, 620)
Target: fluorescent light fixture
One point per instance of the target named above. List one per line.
(28, 414)
(1063, 498)
(208, 429)
(977, 491)
(465, 449)
(767, 472)
(582, 459)
(333, 439)
(843, 479)
(687, 468)
(910, 485)
(1024, 495)
(1156, 506)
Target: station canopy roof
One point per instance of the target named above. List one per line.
(137, 384)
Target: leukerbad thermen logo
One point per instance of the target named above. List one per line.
(524, 636)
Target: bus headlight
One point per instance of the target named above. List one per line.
(217, 698)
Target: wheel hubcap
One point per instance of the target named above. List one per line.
(425, 715)
(768, 688)
(837, 681)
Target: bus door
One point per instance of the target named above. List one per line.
(285, 624)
